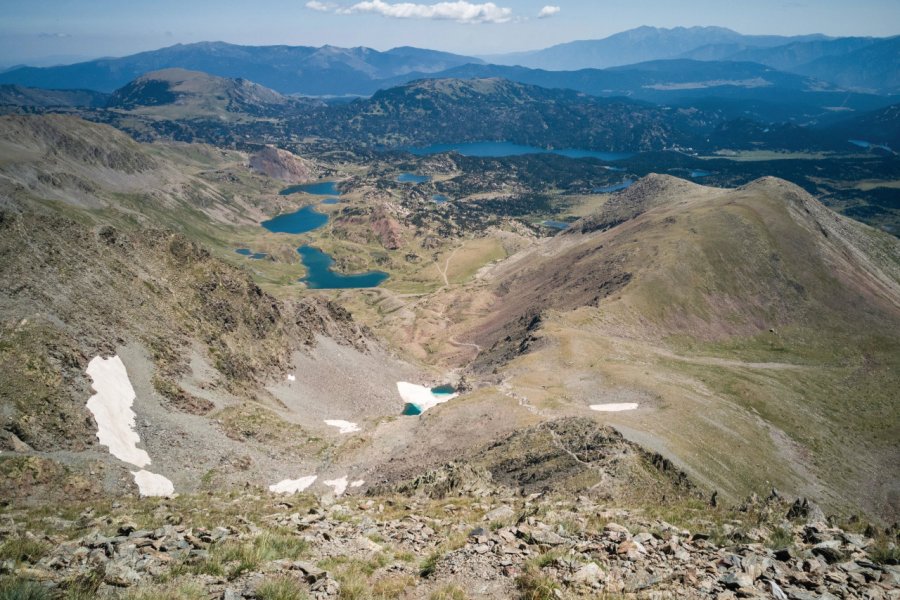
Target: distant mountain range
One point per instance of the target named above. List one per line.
(862, 65)
(288, 69)
(640, 45)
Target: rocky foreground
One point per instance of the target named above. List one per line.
(254, 545)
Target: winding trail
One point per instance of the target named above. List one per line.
(443, 271)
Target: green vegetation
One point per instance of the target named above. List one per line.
(282, 588)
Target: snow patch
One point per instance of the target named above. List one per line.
(151, 484)
(343, 426)
(111, 407)
(357, 483)
(339, 485)
(614, 407)
(292, 486)
(291, 378)
(420, 396)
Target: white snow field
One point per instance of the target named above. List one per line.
(420, 396)
(111, 407)
(614, 407)
(292, 486)
(343, 426)
(151, 484)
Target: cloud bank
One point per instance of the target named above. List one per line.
(460, 11)
(548, 11)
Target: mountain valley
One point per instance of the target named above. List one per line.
(627, 329)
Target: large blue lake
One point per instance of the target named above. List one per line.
(318, 264)
(320, 276)
(499, 149)
(304, 220)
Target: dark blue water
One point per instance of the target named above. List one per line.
(412, 178)
(251, 254)
(305, 219)
(319, 275)
(440, 198)
(498, 149)
(556, 224)
(614, 188)
(443, 389)
(324, 188)
(698, 173)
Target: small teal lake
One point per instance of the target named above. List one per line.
(441, 391)
(556, 224)
(324, 188)
(320, 276)
(614, 188)
(440, 198)
(304, 220)
(251, 254)
(500, 149)
(412, 178)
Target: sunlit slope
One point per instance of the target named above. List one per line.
(757, 329)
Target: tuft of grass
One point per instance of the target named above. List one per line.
(449, 592)
(534, 585)
(19, 589)
(392, 586)
(281, 588)
(231, 559)
(23, 550)
(884, 552)
(429, 565)
(781, 537)
(184, 590)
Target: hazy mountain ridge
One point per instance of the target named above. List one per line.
(190, 94)
(634, 46)
(288, 69)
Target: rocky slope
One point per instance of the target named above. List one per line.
(537, 546)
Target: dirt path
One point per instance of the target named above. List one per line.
(725, 362)
(443, 271)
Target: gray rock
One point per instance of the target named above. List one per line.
(589, 574)
(501, 513)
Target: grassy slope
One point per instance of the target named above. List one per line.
(809, 406)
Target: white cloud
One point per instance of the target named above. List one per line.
(320, 6)
(548, 11)
(460, 10)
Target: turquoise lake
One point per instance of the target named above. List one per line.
(500, 149)
(324, 188)
(440, 198)
(320, 276)
(304, 220)
(251, 254)
(411, 410)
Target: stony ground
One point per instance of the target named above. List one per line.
(255, 545)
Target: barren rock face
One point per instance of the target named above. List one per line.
(281, 164)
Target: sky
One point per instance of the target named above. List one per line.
(42, 32)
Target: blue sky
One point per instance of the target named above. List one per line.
(42, 31)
